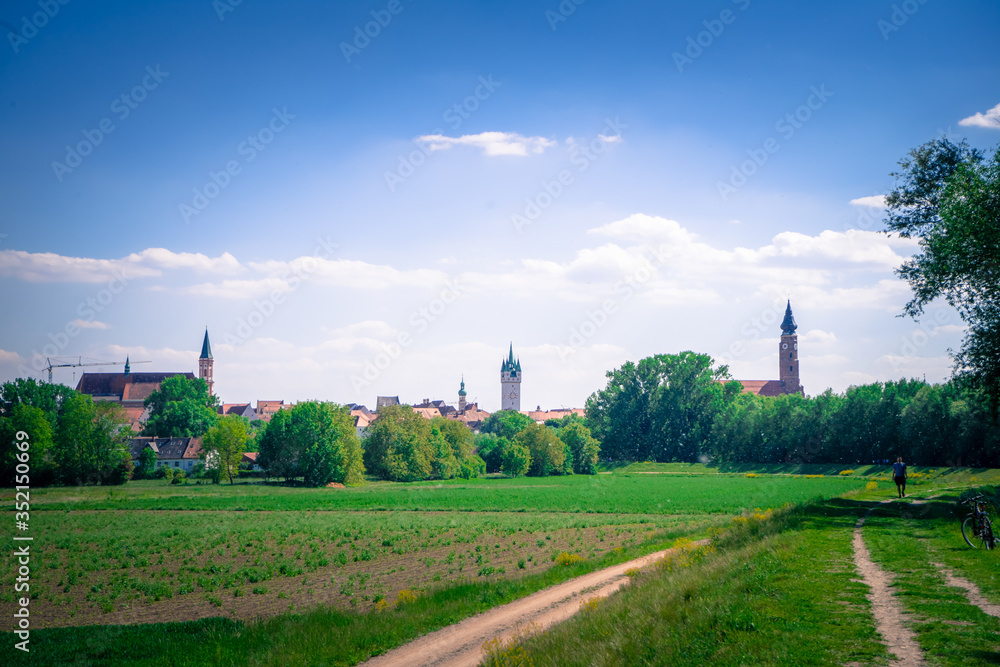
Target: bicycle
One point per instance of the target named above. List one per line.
(976, 527)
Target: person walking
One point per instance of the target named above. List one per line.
(899, 476)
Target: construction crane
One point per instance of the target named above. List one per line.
(80, 362)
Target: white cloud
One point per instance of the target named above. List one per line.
(163, 258)
(90, 324)
(49, 267)
(349, 273)
(491, 143)
(239, 289)
(871, 201)
(7, 357)
(818, 337)
(990, 119)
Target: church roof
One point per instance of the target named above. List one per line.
(788, 325)
(133, 387)
(206, 349)
(763, 387)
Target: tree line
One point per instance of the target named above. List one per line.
(74, 440)
(682, 408)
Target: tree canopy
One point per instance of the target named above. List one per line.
(180, 408)
(73, 440)
(661, 409)
(948, 197)
(224, 444)
(315, 441)
(506, 423)
(404, 446)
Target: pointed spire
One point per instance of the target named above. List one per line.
(206, 349)
(128, 368)
(461, 392)
(788, 325)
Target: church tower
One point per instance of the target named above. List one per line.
(788, 354)
(461, 396)
(205, 363)
(510, 383)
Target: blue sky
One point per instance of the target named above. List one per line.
(595, 182)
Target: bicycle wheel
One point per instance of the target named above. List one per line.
(988, 538)
(969, 533)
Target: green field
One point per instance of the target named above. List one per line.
(619, 493)
(387, 562)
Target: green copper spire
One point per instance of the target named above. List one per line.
(461, 392)
(206, 349)
(128, 368)
(788, 325)
(510, 364)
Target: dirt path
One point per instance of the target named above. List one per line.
(461, 644)
(971, 591)
(902, 642)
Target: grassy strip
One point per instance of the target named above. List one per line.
(615, 494)
(321, 636)
(908, 540)
(778, 590)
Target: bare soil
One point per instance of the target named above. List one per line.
(971, 591)
(888, 612)
(461, 645)
(356, 585)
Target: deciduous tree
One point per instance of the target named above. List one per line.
(181, 408)
(224, 444)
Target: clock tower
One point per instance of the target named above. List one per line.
(510, 382)
(788, 354)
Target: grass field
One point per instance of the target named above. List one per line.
(388, 562)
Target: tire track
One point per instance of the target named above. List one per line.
(888, 612)
(461, 644)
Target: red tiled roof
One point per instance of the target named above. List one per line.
(113, 384)
(542, 415)
(427, 413)
(763, 387)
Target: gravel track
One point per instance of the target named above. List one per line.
(461, 645)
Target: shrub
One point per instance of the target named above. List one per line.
(568, 559)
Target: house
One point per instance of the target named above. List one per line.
(443, 408)
(249, 460)
(385, 401)
(427, 413)
(471, 416)
(267, 409)
(180, 453)
(240, 410)
(541, 416)
(362, 420)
